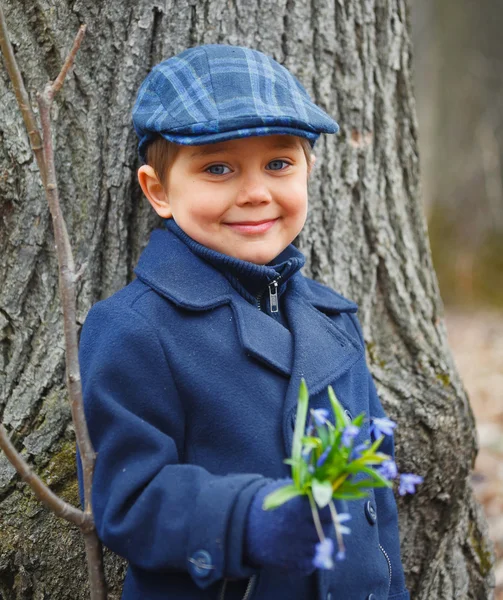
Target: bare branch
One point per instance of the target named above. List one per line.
(56, 86)
(68, 298)
(94, 554)
(21, 95)
(43, 493)
(67, 281)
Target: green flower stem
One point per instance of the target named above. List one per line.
(316, 517)
(338, 534)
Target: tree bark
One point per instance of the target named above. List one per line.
(365, 236)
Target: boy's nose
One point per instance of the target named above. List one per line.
(253, 192)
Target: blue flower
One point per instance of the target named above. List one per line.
(323, 556)
(323, 457)
(306, 454)
(356, 452)
(342, 518)
(388, 469)
(407, 483)
(320, 415)
(382, 425)
(349, 433)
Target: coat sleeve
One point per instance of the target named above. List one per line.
(149, 507)
(387, 513)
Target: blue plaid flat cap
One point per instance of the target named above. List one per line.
(218, 92)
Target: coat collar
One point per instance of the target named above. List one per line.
(169, 266)
(249, 279)
(315, 346)
(323, 350)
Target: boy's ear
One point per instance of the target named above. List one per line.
(310, 168)
(154, 191)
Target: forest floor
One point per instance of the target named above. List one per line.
(476, 340)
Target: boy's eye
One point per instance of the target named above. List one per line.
(276, 164)
(217, 170)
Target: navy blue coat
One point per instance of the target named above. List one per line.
(190, 394)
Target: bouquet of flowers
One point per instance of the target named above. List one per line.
(325, 466)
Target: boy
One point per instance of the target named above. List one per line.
(191, 372)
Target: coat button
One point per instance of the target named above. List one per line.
(329, 596)
(370, 513)
(349, 415)
(200, 564)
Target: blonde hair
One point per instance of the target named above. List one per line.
(161, 153)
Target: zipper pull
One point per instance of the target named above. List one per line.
(273, 296)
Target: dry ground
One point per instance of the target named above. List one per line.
(476, 339)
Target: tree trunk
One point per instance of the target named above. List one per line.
(365, 236)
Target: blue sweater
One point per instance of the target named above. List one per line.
(254, 282)
(190, 395)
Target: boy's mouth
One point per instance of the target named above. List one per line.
(252, 226)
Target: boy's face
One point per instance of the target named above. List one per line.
(219, 193)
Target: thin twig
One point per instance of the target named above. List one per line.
(68, 295)
(43, 493)
(67, 292)
(67, 285)
(21, 96)
(56, 86)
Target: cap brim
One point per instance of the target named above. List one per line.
(222, 136)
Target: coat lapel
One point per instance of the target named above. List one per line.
(322, 351)
(263, 337)
(315, 347)
(169, 267)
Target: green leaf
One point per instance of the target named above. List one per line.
(341, 419)
(377, 476)
(300, 426)
(375, 445)
(368, 483)
(355, 466)
(304, 475)
(324, 436)
(377, 459)
(358, 421)
(350, 496)
(349, 487)
(280, 496)
(310, 442)
(322, 492)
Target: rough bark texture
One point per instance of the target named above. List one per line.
(365, 236)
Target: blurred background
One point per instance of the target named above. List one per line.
(458, 54)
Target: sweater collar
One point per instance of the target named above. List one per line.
(248, 278)
(168, 266)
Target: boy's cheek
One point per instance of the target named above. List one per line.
(209, 211)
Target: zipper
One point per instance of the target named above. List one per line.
(389, 565)
(248, 591)
(249, 587)
(273, 296)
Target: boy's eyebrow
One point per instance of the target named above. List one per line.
(283, 144)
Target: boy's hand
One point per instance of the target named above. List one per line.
(286, 536)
